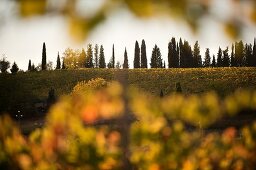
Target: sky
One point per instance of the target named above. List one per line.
(22, 39)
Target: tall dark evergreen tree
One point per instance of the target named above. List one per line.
(96, 56)
(213, 61)
(29, 65)
(89, 57)
(63, 64)
(248, 55)
(182, 56)
(254, 54)
(58, 62)
(232, 57)
(14, 68)
(136, 62)
(207, 58)
(156, 58)
(125, 65)
(196, 56)
(44, 57)
(113, 56)
(173, 56)
(187, 55)
(239, 53)
(144, 62)
(226, 59)
(102, 63)
(219, 58)
(111, 63)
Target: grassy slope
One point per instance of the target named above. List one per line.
(26, 88)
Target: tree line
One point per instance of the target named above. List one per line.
(180, 55)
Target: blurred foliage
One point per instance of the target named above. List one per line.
(192, 12)
(159, 138)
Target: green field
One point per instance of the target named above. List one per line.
(21, 91)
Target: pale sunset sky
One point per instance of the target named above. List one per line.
(22, 39)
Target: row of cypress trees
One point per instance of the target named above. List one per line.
(180, 55)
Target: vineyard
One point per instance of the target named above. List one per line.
(107, 125)
(21, 91)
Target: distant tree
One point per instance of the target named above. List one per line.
(63, 64)
(136, 62)
(196, 56)
(213, 61)
(89, 57)
(70, 57)
(125, 64)
(156, 58)
(226, 59)
(33, 68)
(118, 65)
(207, 58)
(49, 65)
(14, 68)
(102, 63)
(4, 65)
(81, 59)
(113, 57)
(182, 57)
(144, 62)
(29, 65)
(187, 55)
(254, 54)
(44, 57)
(58, 62)
(248, 55)
(111, 63)
(239, 53)
(219, 58)
(96, 56)
(173, 55)
(232, 57)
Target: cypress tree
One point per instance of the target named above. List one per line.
(111, 63)
(248, 55)
(14, 68)
(102, 63)
(58, 62)
(113, 56)
(144, 62)
(173, 56)
(226, 60)
(239, 53)
(213, 61)
(182, 57)
(196, 56)
(63, 65)
(232, 57)
(136, 62)
(89, 57)
(125, 65)
(219, 58)
(96, 56)
(207, 58)
(254, 53)
(44, 57)
(156, 58)
(29, 65)
(187, 55)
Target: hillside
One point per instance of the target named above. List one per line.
(23, 90)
